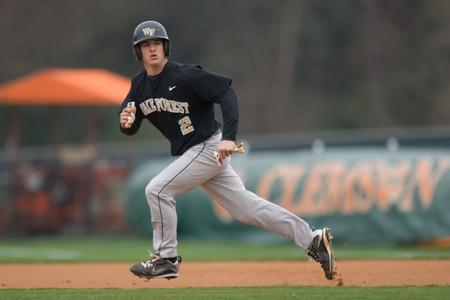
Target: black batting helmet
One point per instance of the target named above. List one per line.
(149, 30)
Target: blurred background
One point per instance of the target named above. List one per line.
(344, 106)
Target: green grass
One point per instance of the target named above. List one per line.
(310, 293)
(101, 249)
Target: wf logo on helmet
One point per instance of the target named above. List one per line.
(148, 31)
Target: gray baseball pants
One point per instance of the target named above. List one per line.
(197, 167)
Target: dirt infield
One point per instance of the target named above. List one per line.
(228, 274)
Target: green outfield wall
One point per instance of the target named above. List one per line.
(364, 195)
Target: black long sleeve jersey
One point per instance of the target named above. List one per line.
(179, 102)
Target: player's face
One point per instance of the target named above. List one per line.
(153, 53)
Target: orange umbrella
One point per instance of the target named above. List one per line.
(67, 87)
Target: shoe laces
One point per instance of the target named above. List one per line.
(153, 258)
(313, 250)
(314, 255)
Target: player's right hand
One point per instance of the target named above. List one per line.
(127, 117)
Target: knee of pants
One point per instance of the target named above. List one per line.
(156, 192)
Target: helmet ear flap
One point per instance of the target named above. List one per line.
(166, 48)
(137, 53)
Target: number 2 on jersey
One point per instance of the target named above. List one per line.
(185, 125)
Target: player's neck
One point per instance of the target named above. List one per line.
(154, 70)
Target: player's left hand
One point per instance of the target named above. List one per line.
(225, 149)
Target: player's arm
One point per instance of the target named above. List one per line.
(217, 88)
(230, 115)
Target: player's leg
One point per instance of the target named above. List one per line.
(191, 169)
(181, 175)
(229, 191)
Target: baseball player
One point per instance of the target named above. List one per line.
(178, 100)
